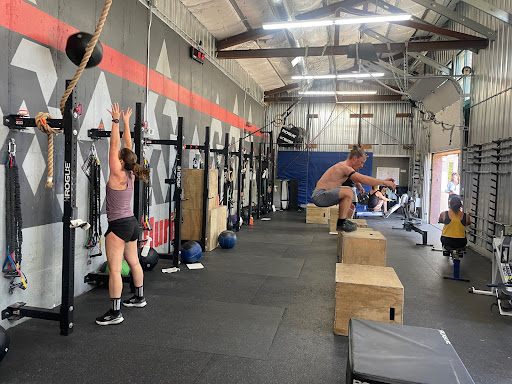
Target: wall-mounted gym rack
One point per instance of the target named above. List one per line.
(475, 168)
(266, 161)
(64, 313)
(250, 158)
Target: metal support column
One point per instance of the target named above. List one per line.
(137, 138)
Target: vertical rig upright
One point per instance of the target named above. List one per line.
(206, 187)
(251, 170)
(271, 171)
(68, 243)
(239, 183)
(137, 138)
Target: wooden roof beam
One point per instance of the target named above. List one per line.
(342, 50)
(286, 88)
(332, 99)
(244, 37)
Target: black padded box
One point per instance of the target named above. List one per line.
(381, 353)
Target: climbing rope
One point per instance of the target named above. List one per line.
(41, 118)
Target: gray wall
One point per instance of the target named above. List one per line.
(334, 130)
(393, 162)
(34, 73)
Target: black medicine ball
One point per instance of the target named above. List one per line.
(76, 46)
(150, 261)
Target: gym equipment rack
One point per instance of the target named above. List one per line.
(63, 313)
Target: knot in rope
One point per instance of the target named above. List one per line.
(42, 124)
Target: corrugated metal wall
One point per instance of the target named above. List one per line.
(334, 130)
(181, 20)
(491, 120)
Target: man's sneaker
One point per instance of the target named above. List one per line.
(135, 301)
(108, 318)
(348, 226)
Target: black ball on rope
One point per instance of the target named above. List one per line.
(76, 46)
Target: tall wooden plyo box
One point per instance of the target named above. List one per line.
(317, 215)
(367, 292)
(363, 246)
(193, 182)
(333, 219)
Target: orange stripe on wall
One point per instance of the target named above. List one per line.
(27, 20)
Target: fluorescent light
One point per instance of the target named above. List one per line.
(339, 21)
(309, 77)
(332, 93)
(359, 75)
(341, 76)
(355, 93)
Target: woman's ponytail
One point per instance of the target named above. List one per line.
(141, 173)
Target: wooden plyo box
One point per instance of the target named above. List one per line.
(333, 219)
(193, 188)
(364, 246)
(191, 226)
(317, 215)
(367, 292)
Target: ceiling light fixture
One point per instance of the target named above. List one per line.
(340, 76)
(343, 21)
(332, 93)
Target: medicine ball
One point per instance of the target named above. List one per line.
(125, 268)
(4, 343)
(227, 239)
(191, 252)
(76, 46)
(150, 261)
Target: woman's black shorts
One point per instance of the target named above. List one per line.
(126, 228)
(453, 242)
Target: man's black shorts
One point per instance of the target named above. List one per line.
(126, 228)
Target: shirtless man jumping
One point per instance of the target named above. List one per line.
(329, 190)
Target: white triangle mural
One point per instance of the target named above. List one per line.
(162, 64)
(193, 152)
(235, 106)
(34, 57)
(3, 136)
(55, 112)
(23, 106)
(151, 115)
(96, 113)
(171, 111)
(34, 165)
(162, 174)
